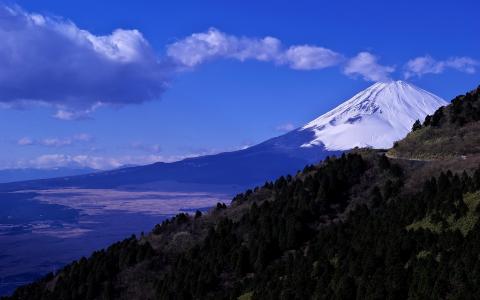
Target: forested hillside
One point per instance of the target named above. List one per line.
(450, 132)
(360, 226)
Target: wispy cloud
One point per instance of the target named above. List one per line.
(285, 127)
(366, 65)
(422, 65)
(202, 47)
(25, 141)
(67, 113)
(83, 137)
(58, 160)
(55, 141)
(146, 147)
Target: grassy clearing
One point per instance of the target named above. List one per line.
(246, 296)
(423, 254)
(439, 143)
(334, 261)
(464, 224)
(427, 224)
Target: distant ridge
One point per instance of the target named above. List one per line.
(375, 117)
(22, 174)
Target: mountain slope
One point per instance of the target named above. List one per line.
(378, 116)
(239, 168)
(348, 228)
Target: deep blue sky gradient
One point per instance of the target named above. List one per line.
(226, 104)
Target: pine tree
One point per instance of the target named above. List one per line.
(417, 125)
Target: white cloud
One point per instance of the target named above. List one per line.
(365, 64)
(104, 162)
(151, 148)
(25, 141)
(68, 114)
(83, 137)
(51, 61)
(285, 127)
(50, 161)
(428, 65)
(213, 44)
(311, 57)
(463, 64)
(202, 47)
(55, 142)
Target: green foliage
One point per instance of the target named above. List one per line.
(426, 224)
(466, 108)
(466, 223)
(246, 296)
(423, 254)
(452, 222)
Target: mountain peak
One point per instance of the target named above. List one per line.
(375, 117)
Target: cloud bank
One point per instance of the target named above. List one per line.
(50, 161)
(51, 61)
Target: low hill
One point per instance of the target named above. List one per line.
(360, 226)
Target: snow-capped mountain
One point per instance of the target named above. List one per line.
(376, 117)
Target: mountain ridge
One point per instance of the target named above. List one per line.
(24, 174)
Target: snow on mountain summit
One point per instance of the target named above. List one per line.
(376, 117)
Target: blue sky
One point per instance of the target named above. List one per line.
(73, 93)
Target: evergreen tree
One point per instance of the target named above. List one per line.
(417, 125)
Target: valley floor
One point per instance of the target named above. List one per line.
(41, 231)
